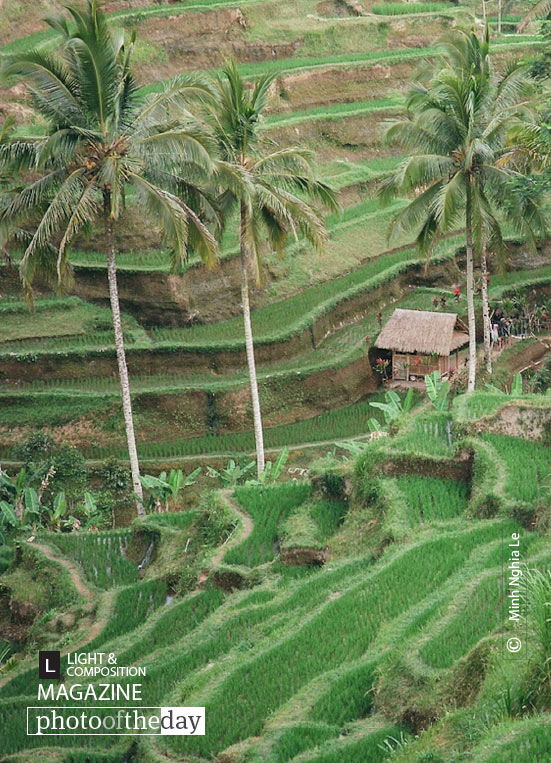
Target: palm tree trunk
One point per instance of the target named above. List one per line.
(121, 356)
(486, 311)
(470, 292)
(257, 417)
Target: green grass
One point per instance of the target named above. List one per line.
(350, 421)
(58, 322)
(179, 520)
(365, 749)
(478, 615)
(280, 320)
(485, 404)
(102, 555)
(407, 9)
(328, 515)
(342, 630)
(528, 466)
(269, 507)
(503, 284)
(335, 111)
(349, 697)
(428, 434)
(342, 173)
(134, 605)
(431, 499)
(179, 618)
(525, 741)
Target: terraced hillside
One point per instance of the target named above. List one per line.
(390, 650)
(341, 73)
(355, 608)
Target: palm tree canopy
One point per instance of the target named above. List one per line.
(103, 135)
(537, 11)
(460, 117)
(271, 182)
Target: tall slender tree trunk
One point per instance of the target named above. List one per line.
(257, 416)
(470, 291)
(499, 16)
(121, 356)
(484, 11)
(486, 311)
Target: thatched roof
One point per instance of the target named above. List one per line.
(423, 332)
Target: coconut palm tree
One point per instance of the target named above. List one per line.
(103, 136)
(460, 116)
(272, 188)
(537, 11)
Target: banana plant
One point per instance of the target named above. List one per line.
(232, 473)
(437, 391)
(91, 512)
(393, 408)
(354, 447)
(56, 513)
(21, 512)
(516, 387)
(20, 508)
(272, 471)
(166, 488)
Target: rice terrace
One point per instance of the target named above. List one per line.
(275, 381)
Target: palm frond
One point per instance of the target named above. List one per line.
(449, 204)
(58, 87)
(178, 93)
(93, 47)
(58, 210)
(177, 145)
(409, 219)
(85, 210)
(179, 224)
(537, 11)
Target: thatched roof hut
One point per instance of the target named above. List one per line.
(421, 341)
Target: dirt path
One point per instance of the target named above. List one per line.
(91, 625)
(72, 569)
(529, 357)
(98, 606)
(247, 526)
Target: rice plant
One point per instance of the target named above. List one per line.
(528, 466)
(399, 9)
(327, 427)
(179, 618)
(102, 555)
(342, 630)
(269, 507)
(328, 515)
(430, 499)
(133, 606)
(528, 741)
(349, 697)
(334, 111)
(478, 615)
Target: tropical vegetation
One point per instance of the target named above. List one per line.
(327, 571)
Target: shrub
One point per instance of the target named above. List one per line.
(331, 478)
(35, 449)
(216, 520)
